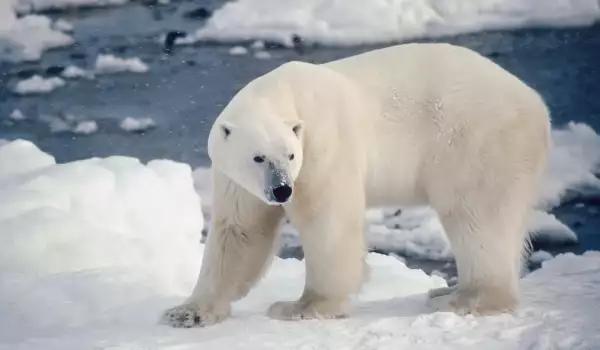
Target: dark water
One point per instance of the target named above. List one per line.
(186, 90)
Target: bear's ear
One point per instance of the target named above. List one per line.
(297, 126)
(226, 129)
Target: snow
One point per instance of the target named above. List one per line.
(69, 123)
(26, 38)
(19, 158)
(262, 55)
(417, 231)
(7, 16)
(258, 45)
(44, 5)
(85, 127)
(56, 124)
(77, 239)
(109, 64)
(74, 72)
(540, 256)
(94, 250)
(17, 115)
(574, 160)
(137, 124)
(353, 22)
(545, 227)
(238, 51)
(63, 25)
(38, 85)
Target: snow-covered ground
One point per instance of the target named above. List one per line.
(352, 22)
(26, 38)
(93, 251)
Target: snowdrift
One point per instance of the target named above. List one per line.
(26, 38)
(355, 22)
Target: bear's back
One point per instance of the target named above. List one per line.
(423, 68)
(420, 82)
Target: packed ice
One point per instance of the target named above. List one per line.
(137, 124)
(38, 85)
(17, 115)
(356, 22)
(26, 38)
(85, 127)
(540, 256)
(75, 72)
(110, 64)
(238, 51)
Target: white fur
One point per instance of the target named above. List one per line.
(411, 124)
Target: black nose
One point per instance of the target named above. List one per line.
(282, 193)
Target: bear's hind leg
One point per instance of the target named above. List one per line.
(332, 234)
(238, 249)
(488, 244)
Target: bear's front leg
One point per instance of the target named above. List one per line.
(332, 234)
(239, 247)
(234, 260)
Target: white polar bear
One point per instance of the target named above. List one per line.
(413, 124)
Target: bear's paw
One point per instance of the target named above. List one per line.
(189, 315)
(477, 302)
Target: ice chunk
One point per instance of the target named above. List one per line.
(86, 127)
(137, 124)
(110, 64)
(354, 22)
(38, 85)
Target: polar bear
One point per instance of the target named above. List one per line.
(411, 124)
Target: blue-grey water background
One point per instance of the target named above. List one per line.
(185, 91)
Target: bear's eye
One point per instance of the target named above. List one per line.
(259, 159)
(291, 156)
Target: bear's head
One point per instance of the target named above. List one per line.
(263, 154)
